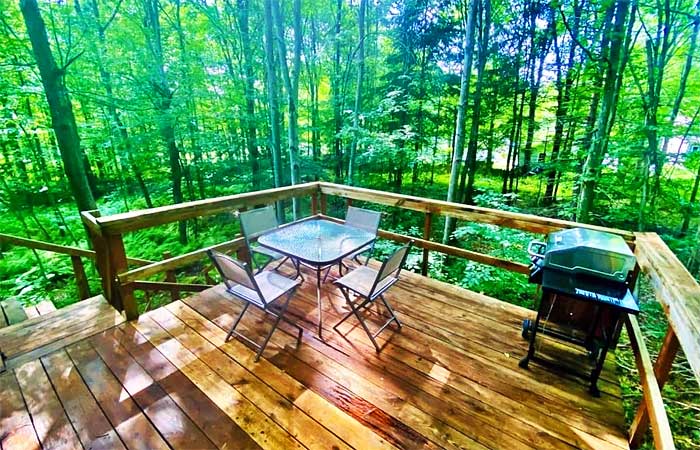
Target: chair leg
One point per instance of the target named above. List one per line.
(278, 317)
(391, 311)
(236, 322)
(297, 267)
(355, 311)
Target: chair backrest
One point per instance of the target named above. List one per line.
(257, 221)
(234, 272)
(391, 267)
(363, 219)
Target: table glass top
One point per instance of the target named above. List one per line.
(316, 241)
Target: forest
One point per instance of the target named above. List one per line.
(575, 109)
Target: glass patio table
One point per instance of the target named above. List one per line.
(317, 243)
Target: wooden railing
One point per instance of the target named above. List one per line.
(675, 287)
(76, 255)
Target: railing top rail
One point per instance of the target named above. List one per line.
(146, 218)
(526, 222)
(676, 290)
(46, 246)
(60, 249)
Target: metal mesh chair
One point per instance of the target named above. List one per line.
(363, 219)
(261, 290)
(254, 223)
(369, 284)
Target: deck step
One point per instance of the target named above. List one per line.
(12, 312)
(40, 335)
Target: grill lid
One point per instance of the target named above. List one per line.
(580, 250)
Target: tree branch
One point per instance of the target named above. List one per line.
(104, 27)
(576, 41)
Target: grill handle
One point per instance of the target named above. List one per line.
(536, 249)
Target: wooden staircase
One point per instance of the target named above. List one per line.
(27, 333)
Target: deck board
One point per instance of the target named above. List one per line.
(448, 379)
(55, 329)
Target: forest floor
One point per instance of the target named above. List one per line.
(31, 278)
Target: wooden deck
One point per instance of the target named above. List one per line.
(449, 379)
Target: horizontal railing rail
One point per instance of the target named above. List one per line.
(147, 218)
(524, 222)
(75, 253)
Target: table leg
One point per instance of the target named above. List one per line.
(318, 297)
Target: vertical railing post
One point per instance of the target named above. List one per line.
(81, 281)
(122, 294)
(314, 204)
(426, 235)
(324, 204)
(99, 244)
(170, 278)
(662, 369)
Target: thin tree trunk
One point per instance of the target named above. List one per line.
(358, 91)
(470, 168)
(251, 131)
(291, 81)
(274, 109)
(563, 100)
(461, 115)
(605, 120)
(163, 103)
(337, 93)
(62, 117)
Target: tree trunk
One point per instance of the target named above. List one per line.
(563, 100)
(605, 120)
(470, 168)
(461, 115)
(274, 109)
(62, 117)
(251, 131)
(291, 81)
(163, 102)
(358, 91)
(337, 93)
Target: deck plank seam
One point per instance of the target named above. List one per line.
(92, 394)
(142, 410)
(26, 408)
(60, 400)
(232, 360)
(214, 371)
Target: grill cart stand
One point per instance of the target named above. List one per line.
(606, 302)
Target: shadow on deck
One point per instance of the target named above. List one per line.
(448, 379)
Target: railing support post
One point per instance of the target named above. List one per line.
(99, 244)
(662, 369)
(324, 204)
(426, 235)
(122, 295)
(314, 203)
(170, 278)
(80, 277)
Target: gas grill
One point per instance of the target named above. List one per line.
(585, 277)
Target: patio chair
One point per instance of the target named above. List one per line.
(363, 219)
(369, 285)
(261, 290)
(254, 223)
